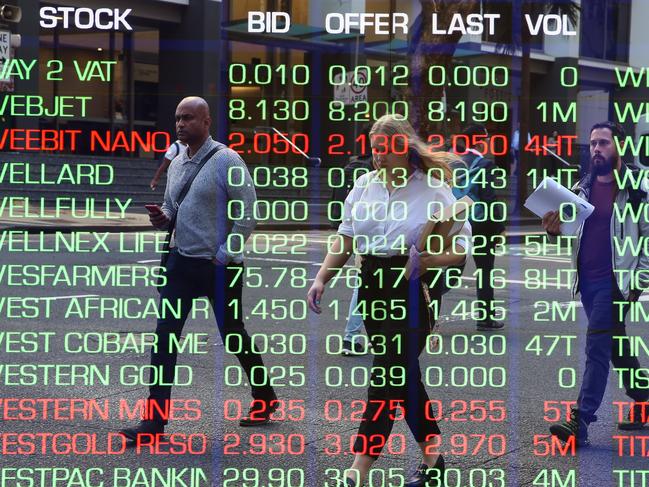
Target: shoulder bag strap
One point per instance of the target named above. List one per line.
(183, 193)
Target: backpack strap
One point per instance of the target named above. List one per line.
(478, 161)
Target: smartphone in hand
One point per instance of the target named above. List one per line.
(153, 209)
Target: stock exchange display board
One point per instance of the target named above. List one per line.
(282, 243)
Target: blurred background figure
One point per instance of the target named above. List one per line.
(516, 150)
(173, 151)
(475, 176)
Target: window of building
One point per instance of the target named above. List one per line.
(298, 9)
(505, 36)
(123, 96)
(257, 107)
(605, 26)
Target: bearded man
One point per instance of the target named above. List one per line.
(603, 279)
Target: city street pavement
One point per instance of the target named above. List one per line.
(498, 447)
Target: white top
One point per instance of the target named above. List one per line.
(387, 224)
(173, 150)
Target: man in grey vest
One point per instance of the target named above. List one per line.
(201, 263)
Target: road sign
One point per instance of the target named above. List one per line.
(350, 92)
(5, 55)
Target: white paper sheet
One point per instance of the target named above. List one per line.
(550, 195)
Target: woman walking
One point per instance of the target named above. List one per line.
(384, 215)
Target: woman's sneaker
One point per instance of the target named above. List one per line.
(426, 476)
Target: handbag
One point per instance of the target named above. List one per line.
(172, 222)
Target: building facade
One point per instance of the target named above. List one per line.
(182, 47)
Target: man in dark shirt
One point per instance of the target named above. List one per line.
(596, 279)
(594, 260)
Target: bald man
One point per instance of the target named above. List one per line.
(202, 262)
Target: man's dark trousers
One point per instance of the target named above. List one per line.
(603, 324)
(190, 278)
